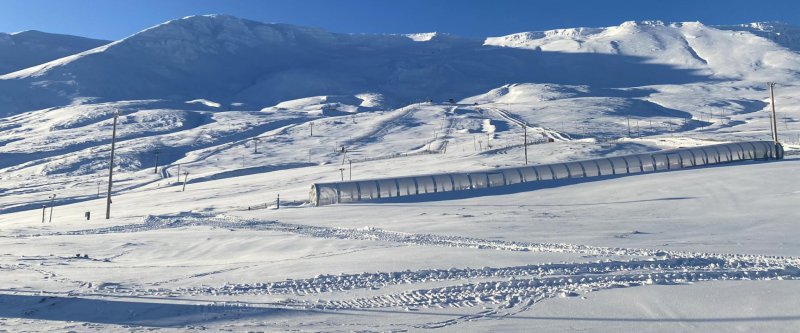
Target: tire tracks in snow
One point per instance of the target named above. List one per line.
(498, 289)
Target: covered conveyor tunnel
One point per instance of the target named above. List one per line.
(673, 159)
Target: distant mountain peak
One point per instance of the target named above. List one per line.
(23, 49)
(433, 36)
(782, 33)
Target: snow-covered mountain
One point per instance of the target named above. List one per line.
(178, 80)
(782, 33)
(29, 48)
(719, 54)
(230, 60)
(222, 117)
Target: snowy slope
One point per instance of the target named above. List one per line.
(782, 33)
(230, 60)
(241, 112)
(721, 54)
(29, 48)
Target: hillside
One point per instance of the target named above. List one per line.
(29, 48)
(223, 118)
(252, 64)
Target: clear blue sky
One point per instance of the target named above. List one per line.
(115, 19)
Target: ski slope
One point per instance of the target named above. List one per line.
(706, 249)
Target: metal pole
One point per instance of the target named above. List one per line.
(111, 164)
(155, 168)
(629, 127)
(51, 208)
(311, 128)
(351, 169)
(178, 175)
(279, 201)
(638, 133)
(525, 128)
(341, 171)
(256, 146)
(44, 209)
(774, 121)
(185, 179)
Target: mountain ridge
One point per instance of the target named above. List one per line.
(29, 48)
(255, 65)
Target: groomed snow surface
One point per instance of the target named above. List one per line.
(198, 243)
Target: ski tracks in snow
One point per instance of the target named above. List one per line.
(501, 290)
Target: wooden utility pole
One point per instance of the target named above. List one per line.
(111, 164)
(774, 125)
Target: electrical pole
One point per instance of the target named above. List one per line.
(51, 208)
(341, 170)
(773, 118)
(256, 145)
(155, 168)
(111, 164)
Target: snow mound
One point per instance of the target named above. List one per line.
(527, 93)
(329, 105)
(204, 102)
